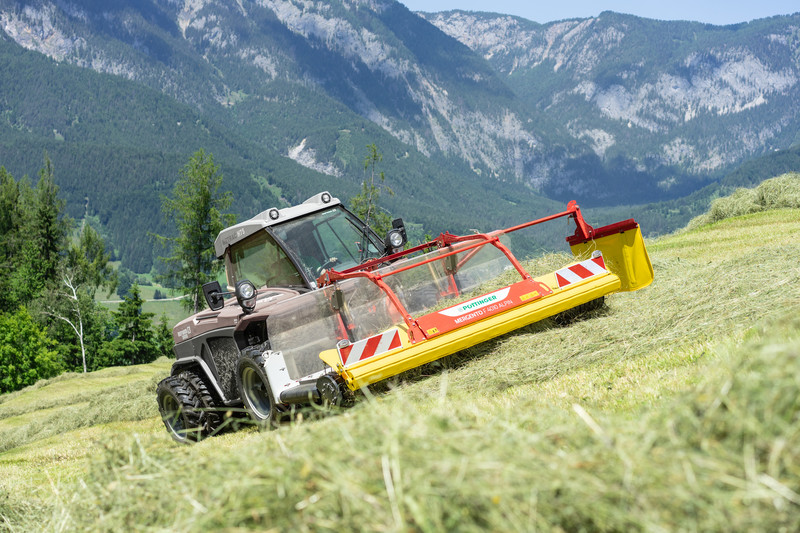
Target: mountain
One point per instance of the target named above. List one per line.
(158, 93)
(502, 117)
(116, 146)
(253, 61)
(680, 102)
(274, 68)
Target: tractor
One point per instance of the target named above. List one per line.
(317, 306)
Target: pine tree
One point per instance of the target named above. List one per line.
(195, 208)
(365, 204)
(44, 228)
(10, 222)
(135, 343)
(49, 227)
(134, 324)
(9, 207)
(89, 264)
(162, 337)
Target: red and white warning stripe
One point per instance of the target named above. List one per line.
(581, 271)
(366, 348)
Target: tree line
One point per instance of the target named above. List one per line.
(51, 269)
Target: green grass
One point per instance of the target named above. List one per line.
(172, 309)
(73, 401)
(780, 192)
(675, 408)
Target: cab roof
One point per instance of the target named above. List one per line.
(270, 217)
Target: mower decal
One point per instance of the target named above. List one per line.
(581, 271)
(476, 303)
(366, 348)
(446, 320)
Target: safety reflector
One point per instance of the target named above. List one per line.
(581, 271)
(366, 348)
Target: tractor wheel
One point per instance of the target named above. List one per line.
(180, 410)
(255, 392)
(211, 409)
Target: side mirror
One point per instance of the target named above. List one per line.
(213, 294)
(396, 237)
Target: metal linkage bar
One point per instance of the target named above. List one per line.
(583, 232)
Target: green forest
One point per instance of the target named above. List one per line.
(58, 270)
(52, 270)
(118, 146)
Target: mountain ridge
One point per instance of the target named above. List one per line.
(121, 145)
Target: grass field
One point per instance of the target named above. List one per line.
(167, 307)
(675, 408)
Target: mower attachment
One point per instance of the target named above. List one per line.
(396, 313)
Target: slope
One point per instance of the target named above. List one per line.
(610, 110)
(375, 61)
(664, 217)
(116, 146)
(674, 408)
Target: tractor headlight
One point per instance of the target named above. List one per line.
(246, 295)
(395, 238)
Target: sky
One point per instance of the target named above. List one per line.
(710, 11)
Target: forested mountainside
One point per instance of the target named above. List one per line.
(274, 67)
(117, 146)
(489, 113)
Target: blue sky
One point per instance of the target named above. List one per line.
(712, 12)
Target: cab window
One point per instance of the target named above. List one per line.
(328, 239)
(260, 259)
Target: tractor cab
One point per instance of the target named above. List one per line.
(292, 247)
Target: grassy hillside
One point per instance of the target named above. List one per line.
(674, 408)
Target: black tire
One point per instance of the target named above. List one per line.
(255, 392)
(180, 410)
(211, 417)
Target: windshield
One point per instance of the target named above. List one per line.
(332, 238)
(260, 259)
